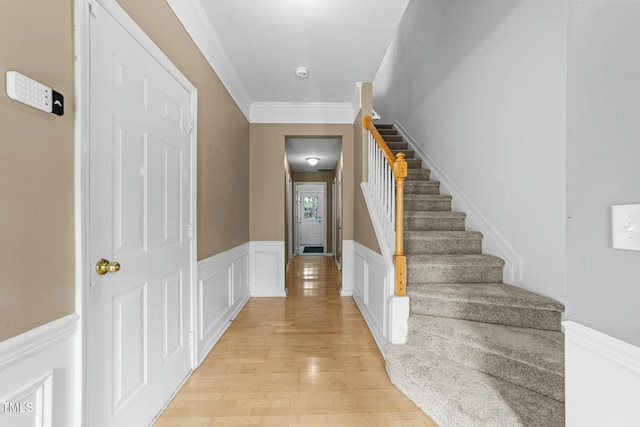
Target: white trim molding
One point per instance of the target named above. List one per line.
(36, 366)
(494, 242)
(267, 263)
(302, 112)
(397, 307)
(346, 287)
(373, 291)
(194, 19)
(222, 291)
(602, 378)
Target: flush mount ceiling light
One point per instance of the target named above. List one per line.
(312, 160)
(302, 72)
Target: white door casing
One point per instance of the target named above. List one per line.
(141, 197)
(333, 216)
(311, 202)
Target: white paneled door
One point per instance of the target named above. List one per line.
(139, 317)
(310, 214)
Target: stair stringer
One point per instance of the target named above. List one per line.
(397, 307)
(494, 242)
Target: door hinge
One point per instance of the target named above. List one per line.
(191, 124)
(192, 341)
(190, 231)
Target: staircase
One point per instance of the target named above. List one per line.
(479, 353)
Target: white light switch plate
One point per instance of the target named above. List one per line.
(626, 227)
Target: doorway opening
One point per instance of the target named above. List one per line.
(312, 203)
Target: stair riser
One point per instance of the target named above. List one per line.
(431, 190)
(441, 246)
(391, 138)
(421, 273)
(530, 377)
(414, 163)
(384, 132)
(433, 224)
(428, 205)
(489, 313)
(420, 174)
(397, 145)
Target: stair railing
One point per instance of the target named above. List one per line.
(386, 185)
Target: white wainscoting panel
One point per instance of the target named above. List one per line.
(371, 291)
(223, 289)
(346, 289)
(37, 381)
(267, 268)
(602, 377)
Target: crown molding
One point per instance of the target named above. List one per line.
(194, 19)
(302, 112)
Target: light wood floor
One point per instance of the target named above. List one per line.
(305, 360)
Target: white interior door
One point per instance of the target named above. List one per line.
(139, 318)
(311, 205)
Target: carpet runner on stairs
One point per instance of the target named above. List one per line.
(479, 353)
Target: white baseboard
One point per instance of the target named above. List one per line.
(494, 242)
(223, 289)
(602, 379)
(37, 372)
(346, 289)
(267, 275)
(371, 291)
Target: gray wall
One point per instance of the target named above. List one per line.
(603, 164)
(532, 108)
(481, 86)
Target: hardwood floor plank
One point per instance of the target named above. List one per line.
(305, 360)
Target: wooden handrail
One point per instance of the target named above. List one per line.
(399, 166)
(368, 124)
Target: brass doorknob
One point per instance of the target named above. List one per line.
(103, 266)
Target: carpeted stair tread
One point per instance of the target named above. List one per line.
(384, 132)
(498, 294)
(457, 396)
(457, 260)
(383, 126)
(486, 302)
(401, 146)
(443, 242)
(427, 202)
(422, 187)
(392, 138)
(459, 268)
(531, 358)
(434, 220)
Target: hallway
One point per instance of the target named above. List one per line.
(305, 360)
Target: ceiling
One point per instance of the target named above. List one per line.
(254, 46)
(298, 149)
(341, 42)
